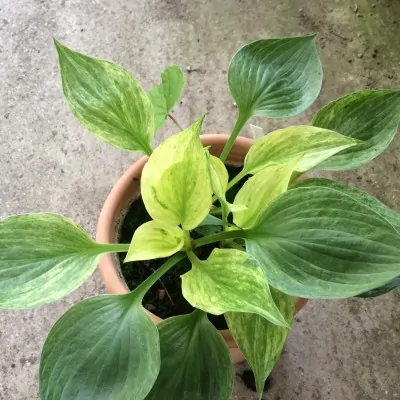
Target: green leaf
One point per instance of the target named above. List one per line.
(165, 95)
(371, 116)
(308, 144)
(259, 191)
(230, 280)
(43, 257)
(172, 81)
(259, 340)
(358, 195)
(320, 242)
(195, 361)
(369, 201)
(209, 225)
(155, 239)
(275, 78)
(379, 291)
(107, 100)
(157, 98)
(105, 347)
(176, 187)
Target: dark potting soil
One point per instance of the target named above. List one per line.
(165, 298)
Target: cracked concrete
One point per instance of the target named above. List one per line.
(338, 350)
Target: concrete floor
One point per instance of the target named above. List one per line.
(339, 350)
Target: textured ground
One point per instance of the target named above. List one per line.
(339, 350)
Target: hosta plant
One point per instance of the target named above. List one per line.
(280, 238)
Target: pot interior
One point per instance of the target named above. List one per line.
(165, 298)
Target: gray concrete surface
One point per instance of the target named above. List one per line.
(339, 350)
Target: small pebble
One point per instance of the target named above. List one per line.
(301, 10)
(373, 5)
(355, 8)
(234, 104)
(188, 68)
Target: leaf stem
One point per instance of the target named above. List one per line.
(216, 210)
(241, 120)
(236, 179)
(171, 117)
(217, 237)
(114, 247)
(155, 276)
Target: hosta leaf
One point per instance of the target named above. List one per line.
(275, 77)
(213, 286)
(379, 291)
(209, 225)
(369, 201)
(319, 242)
(172, 81)
(175, 187)
(357, 195)
(195, 361)
(157, 98)
(105, 347)
(308, 144)
(259, 340)
(371, 116)
(155, 239)
(107, 100)
(43, 257)
(218, 175)
(259, 190)
(165, 95)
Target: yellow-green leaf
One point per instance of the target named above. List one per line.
(107, 100)
(155, 239)
(44, 257)
(165, 95)
(230, 280)
(219, 176)
(309, 144)
(259, 340)
(176, 187)
(259, 191)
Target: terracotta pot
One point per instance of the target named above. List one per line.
(120, 198)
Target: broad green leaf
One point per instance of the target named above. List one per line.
(230, 280)
(371, 116)
(319, 242)
(379, 291)
(43, 257)
(165, 95)
(195, 361)
(275, 78)
(105, 347)
(259, 340)
(176, 187)
(155, 239)
(369, 201)
(107, 100)
(358, 195)
(259, 191)
(308, 144)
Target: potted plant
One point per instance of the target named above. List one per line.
(277, 239)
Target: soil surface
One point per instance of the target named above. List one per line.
(165, 298)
